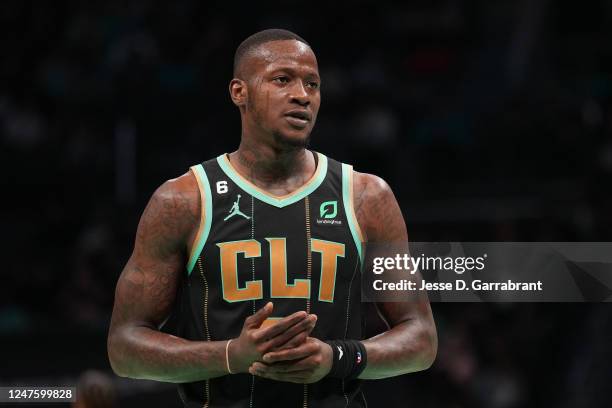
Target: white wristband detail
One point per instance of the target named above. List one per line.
(227, 356)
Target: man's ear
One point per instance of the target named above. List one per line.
(238, 92)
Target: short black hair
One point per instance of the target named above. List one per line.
(262, 37)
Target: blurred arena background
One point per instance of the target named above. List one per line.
(491, 120)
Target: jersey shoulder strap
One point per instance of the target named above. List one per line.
(205, 212)
(349, 208)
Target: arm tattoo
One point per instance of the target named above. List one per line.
(374, 201)
(147, 289)
(410, 343)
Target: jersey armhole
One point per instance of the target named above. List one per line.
(349, 209)
(205, 216)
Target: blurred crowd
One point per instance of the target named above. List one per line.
(490, 121)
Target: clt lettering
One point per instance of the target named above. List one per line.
(280, 287)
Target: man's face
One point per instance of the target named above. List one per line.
(283, 91)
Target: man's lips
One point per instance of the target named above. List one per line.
(298, 118)
(301, 114)
(297, 122)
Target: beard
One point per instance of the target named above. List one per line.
(289, 142)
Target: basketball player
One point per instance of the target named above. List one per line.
(260, 251)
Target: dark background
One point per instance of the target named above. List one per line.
(491, 121)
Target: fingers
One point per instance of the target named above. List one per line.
(300, 377)
(254, 321)
(301, 351)
(298, 373)
(294, 342)
(298, 339)
(296, 333)
(283, 324)
(282, 367)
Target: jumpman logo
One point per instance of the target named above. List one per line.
(236, 211)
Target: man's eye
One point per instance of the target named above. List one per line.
(281, 80)
(313, 85)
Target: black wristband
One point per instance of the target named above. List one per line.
(349, 359)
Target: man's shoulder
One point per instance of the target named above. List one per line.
(178, 197)
(369, 184)
(184, 185)
(366, 186)
(170, 217)
(372, 200)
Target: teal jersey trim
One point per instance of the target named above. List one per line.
(261, 195)
(202, 237)
(347, 179)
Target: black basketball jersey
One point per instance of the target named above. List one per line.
(301, 251)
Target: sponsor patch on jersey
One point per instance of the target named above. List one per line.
(327, 213)
(328, 222)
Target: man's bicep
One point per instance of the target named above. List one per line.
(167, 222)
(145, 292)
(147, 287)
(381, 216)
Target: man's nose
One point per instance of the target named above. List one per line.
(299, 94)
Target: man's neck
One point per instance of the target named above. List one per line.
(266, 166)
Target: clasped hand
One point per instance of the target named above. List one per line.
(283, 351)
